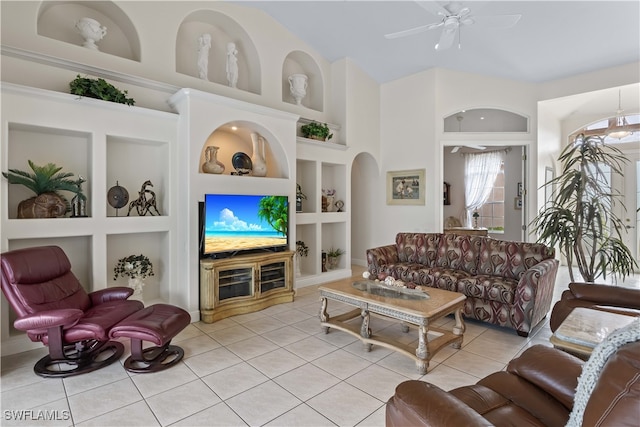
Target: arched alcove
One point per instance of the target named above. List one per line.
(486, 120)
(298, 62)
(235, 137)
(223, 30)
(57, 20)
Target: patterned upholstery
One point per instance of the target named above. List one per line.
(506, 283)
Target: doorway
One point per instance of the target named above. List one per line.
(631, 199)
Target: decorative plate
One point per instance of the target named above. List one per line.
(242, 163)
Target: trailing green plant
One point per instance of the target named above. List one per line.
(133, 266)
(44, 179)
(301, 248)
(318, 130)
(580, 218)
(99, 89)
(299, 193)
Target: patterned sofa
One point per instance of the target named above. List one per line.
(506, 283)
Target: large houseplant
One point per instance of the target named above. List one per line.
(46, 181)
(581, 218)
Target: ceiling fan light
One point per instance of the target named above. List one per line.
(620, 130)
(619, 134)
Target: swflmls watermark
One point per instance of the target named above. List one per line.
(36, 415)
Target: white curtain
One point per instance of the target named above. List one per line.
(480, 171)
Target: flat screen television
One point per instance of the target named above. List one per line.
(239, 223)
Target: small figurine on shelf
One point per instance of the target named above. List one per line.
(204, 44)
(329, 195)
(79, 201)
(300, 196)
(232, 64)
(143, 204)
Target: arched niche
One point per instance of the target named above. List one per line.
(235, 137)
(486, 120)
(223, 30)
(57, 20)
(298, 62)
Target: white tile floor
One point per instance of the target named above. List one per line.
(274, 367)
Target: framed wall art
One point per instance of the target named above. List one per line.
(405, 187)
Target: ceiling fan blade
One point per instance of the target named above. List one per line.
(412, 31)
(446, 38)
(496, 21)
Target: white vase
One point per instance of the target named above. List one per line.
(91, 31)
(257, 158)
(297, 263)
(331, 206)
(211, 164)
(298, 87)
(136, 284)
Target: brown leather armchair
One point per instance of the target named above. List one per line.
(536, 389)
(615, 299)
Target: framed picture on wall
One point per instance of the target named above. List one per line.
(405, 187)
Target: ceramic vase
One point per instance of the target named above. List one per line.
(298, 87)
(297, 262)
(257, 158)
(91, 31)
(136, 284)
(331, 206)
(212, 165)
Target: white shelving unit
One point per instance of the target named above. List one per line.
(104, 142)
(319, 168)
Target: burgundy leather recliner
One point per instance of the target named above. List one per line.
(53, 307)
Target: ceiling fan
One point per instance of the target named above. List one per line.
(453, 16)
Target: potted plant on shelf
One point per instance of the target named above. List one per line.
(300, 196)
(46, 181)
(302, 250)
(315, 130)
(333, 257)
(581, 216)
(99, 89)
(136, 268)
(475, 216)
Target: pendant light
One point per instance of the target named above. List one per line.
(620, 129)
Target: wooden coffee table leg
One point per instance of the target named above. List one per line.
(422, 352)
(459, 328)
(365, 332)
(324, 316)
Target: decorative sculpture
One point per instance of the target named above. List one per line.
(298, 87)
(79, 201)
(232, 64)
(204, 44)
(144, 204)
(212, 164)
(259, 164)
(91, 31)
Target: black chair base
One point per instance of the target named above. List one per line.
(153, 359)
(79, 362)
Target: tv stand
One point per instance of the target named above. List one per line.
(244, 284)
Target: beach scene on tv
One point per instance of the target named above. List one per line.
(241, 222)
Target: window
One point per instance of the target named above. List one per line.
(492, 211)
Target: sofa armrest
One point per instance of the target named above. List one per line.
(550, 369)
(606, 294)
(44, 320)
(380, 256)
(116, 293)
(418, 403)
(534, 294)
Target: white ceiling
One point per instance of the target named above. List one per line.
(553, 39)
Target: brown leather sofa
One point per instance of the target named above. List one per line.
(615, 299)
(536, 389)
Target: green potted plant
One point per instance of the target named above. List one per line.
(46, 181)
(136, 268)
(581, 218)
(333, 257)
(315, 130)
(300, 196)
(99, 89)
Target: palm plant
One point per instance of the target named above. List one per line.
(581, 218)
(44, 179)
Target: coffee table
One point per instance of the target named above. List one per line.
(410, 306)
(584, 328)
